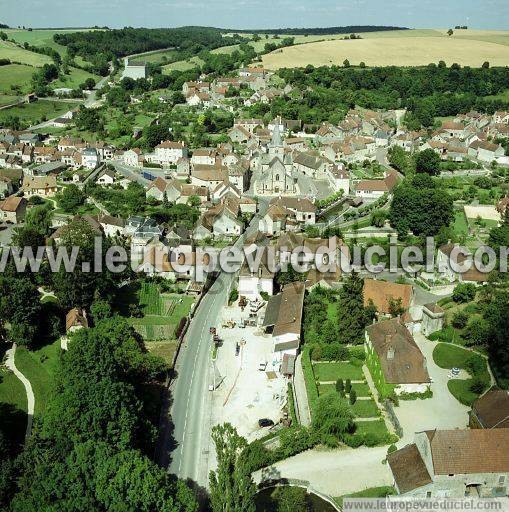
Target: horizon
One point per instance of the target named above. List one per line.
(257, 14)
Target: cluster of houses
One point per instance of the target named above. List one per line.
(204, 94)
(22, 150)
(471, 136)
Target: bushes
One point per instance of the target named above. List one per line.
(329, 352)
(234, 295)
(416, 396)
(464, 292)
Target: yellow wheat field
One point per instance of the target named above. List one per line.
(388, 51)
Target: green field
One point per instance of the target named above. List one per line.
(15, 75)
(38, 111)
(40, 37)
(39, 367)
(74, 79)
(16, 54)
(328, 372)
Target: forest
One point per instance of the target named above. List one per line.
(426, 92)
(100, 45)
(317, 31)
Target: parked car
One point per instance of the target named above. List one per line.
(265, 422)
(237, 349)
(262, 366)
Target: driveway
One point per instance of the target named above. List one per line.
(334, 472)
(442, 411)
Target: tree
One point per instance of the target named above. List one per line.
(340, 387)
(464, 292)
(71, 198)
(353, 397)
(290, 499)
(348, 385)
(459, 320)
(450, 32)
(333, 416)
(100, 309)
(21, 307)
(396, 306)
(89, 119)
(486, 65)
(231, 486)
(352, 312)
(346, 63)
(428, 162)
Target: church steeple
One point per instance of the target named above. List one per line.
(277, 141)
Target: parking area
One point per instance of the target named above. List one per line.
(246, 393)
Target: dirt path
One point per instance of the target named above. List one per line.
(28, 388)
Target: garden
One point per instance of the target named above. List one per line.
(346, 380)
(157, 311)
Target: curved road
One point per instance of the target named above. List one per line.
(28, 388)
(190, 411)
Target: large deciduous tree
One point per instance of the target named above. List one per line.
(231, 487)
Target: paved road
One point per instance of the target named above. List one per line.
(91, 100)
(130, 173)
(190, 411)
(28, 388)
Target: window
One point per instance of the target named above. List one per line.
(277, 177)
(428, 494)
(501, 479)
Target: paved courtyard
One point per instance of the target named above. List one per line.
(442, 411)
(246, 394)
(334, 472)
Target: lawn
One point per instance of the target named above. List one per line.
(328, 372)
(14, 75)
(460, 224)
(365, 409)
(164, 349)
(34, 113)
(39, 367)
(451, 356)
(371, 427)
(361, 388)
(8, 100)
(13, 406)
(372, 492)
(14, 53)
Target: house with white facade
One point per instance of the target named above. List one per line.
(169, 152)
(283, 319)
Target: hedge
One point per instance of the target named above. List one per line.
(309, 379)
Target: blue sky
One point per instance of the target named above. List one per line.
(246, 14)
